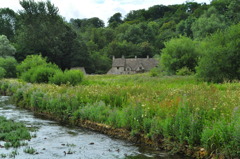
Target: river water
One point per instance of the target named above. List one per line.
(54, 141)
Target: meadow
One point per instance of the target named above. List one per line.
(176, 110)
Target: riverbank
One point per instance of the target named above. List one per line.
(60, 141)
(175, 113)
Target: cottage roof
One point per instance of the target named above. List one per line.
(146, 63)
(135, 63)
(118, 62)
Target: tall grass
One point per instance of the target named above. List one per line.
(176, 109)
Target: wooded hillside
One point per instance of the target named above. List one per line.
(39, 29)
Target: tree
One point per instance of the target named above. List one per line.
(233, 14)
(220, 5)
(208, 23)
(124, 48)
(135, 16)
(6, 49)
(101, 62)
(84, 24)
(178, 53)
(220, 56)
(9, 65)
(115, 20)
(184, 27)
(7, 22)
(43, 31)
(2, 72)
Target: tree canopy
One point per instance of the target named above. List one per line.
(39, 29)
(6, 49)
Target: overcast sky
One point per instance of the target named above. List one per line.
(102, 9)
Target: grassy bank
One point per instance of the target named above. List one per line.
(165, 110)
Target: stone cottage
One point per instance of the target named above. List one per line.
(132, 65)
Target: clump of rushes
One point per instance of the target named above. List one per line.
(30, 150)
(12, 133)
(176, 109)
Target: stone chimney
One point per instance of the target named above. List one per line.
(122, 56)
(147, 56)
(113, 57)
(135, 57)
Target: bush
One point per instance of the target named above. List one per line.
(154, 72)
(58, 78)
(9, 64)
(40, 74)
(184, 72)
(72, 77)
(33, 61)
(2, 72)
(35, 69)
(178, 53)
(221, 54)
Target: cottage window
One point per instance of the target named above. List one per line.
(117, 67)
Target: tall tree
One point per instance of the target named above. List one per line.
(6, 49)
(7, 22)
(115, 20)
(208, 23)
(178, 53)
(43, 31)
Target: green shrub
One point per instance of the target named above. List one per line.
(9, 64)
(72, 77)
(40, 74)
(58, 78)
(35, 69)
(184, 71)
(154, 72)
(33, 61)
(2, 72)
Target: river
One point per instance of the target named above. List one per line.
(55, 141)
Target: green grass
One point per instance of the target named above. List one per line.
(171, 109)
(13, 133)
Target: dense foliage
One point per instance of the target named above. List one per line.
(9, 65)
(179, 53)
(6, 49)
(2, 72)
(221, 54)
(36, 69)
(169, 109)
(72, 77)
(39, 29)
